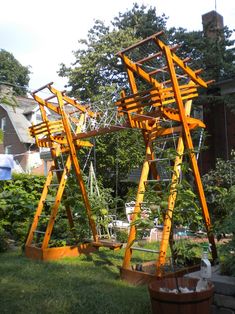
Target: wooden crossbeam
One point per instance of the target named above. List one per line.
(174, 115)
(156, 95)
(139, 43)
(155, 100)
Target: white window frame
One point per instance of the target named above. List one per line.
(3, 123)
(8, 149)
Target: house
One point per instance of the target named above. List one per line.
(219, 119)
(14, 122)
(220, 126)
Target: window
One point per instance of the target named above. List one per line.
(8, 149)
(3, 123)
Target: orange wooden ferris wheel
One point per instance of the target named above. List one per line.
(162, 89)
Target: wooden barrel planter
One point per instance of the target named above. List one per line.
(165, 302)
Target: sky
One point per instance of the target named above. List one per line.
(42, 34)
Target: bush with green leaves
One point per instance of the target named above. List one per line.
(122, 235)
(227, 258)
(219, 186)
(227, 227)
(185, 252)
(3, 239)
(187, 210)
(102, 208)
(18, 200)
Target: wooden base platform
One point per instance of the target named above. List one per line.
(58, 252)
(144, 277)
(69, 251)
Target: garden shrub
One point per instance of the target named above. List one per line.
(121, 236)
(3, 240)
(217, 183)
(18, 200)
(220, 194)
(185, 252)
(227, 227)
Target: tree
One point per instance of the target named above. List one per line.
(11, 71)
(142, 20)
(218, 183)
(97, 70)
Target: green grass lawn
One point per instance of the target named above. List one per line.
(86, 284)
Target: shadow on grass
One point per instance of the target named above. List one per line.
(72, 285)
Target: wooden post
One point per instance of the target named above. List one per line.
(139, 200)
(77, 169)
(189, 145)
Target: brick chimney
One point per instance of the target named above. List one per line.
(212, 22)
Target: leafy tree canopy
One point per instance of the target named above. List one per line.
(11, 71)
(97, 65)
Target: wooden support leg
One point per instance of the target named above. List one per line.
(171, 204)
(56, 205)
(39, 208)
(139, 200)
(59, 176)
(189, 145)
(76, 165)
(172, 198)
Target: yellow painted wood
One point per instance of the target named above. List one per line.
(55, 207)
(137, 69)
(172, 198)
(39, 208)
(189, 145)
(74, 103)
(59, 139)
(43, 103)
(139, 200)
(77, 166)
(134, 89)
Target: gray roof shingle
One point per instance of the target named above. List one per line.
(19, 122)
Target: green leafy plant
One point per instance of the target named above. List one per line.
(15, 74)
(18, 201)
(3, 239)
(185, 252)
(227, 226)
(187, 211)
(122, 236)
(217, 185)
(227, 258)
(102, 208)
(100, 204)
(220, 193)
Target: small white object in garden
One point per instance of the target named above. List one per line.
(181, 290)
(202, 285)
